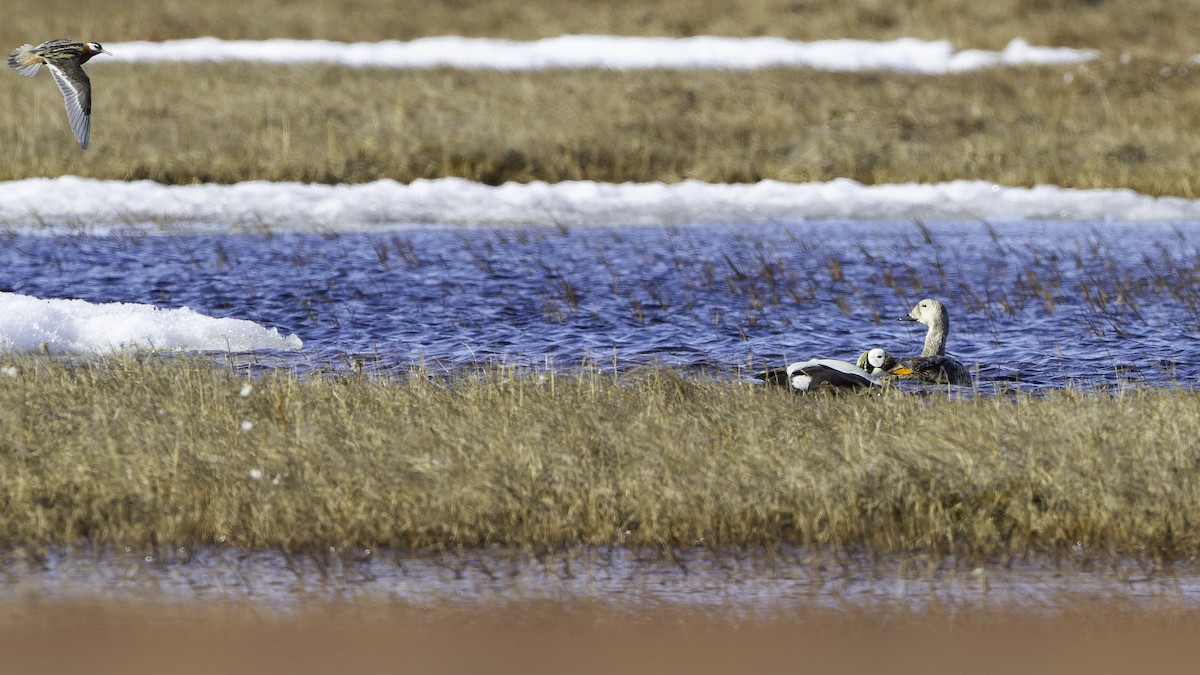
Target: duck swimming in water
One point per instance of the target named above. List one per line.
(933, 365)
(834, 375)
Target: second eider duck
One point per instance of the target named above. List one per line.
(933, 365)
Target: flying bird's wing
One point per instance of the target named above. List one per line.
(77, 94)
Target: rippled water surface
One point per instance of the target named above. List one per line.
(1045, 304)
(746, 582)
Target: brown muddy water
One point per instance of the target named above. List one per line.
(592, 611)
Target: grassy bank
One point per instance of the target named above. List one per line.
(1119, 122)
(152, 452)
(1111, 125)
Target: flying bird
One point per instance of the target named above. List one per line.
(65, 60)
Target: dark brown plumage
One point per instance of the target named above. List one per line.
(933, 365)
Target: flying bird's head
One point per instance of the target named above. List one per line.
(93, 48)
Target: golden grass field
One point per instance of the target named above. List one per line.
(1123, 121)
(149, 452)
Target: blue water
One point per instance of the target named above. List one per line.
(1039, 304)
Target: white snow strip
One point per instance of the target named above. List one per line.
(605, 51)
(76, 326)
(88, 205)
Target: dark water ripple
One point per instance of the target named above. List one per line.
(1045, 304)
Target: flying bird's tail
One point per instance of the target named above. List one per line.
(25, 61)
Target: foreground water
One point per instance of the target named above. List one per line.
(1039, 303)
(742, 582)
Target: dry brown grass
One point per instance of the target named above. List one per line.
(1110, 125)
(102, 638)
(150, 452)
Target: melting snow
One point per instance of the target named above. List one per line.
(606, 51)
(105, 205)
(77, 326)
